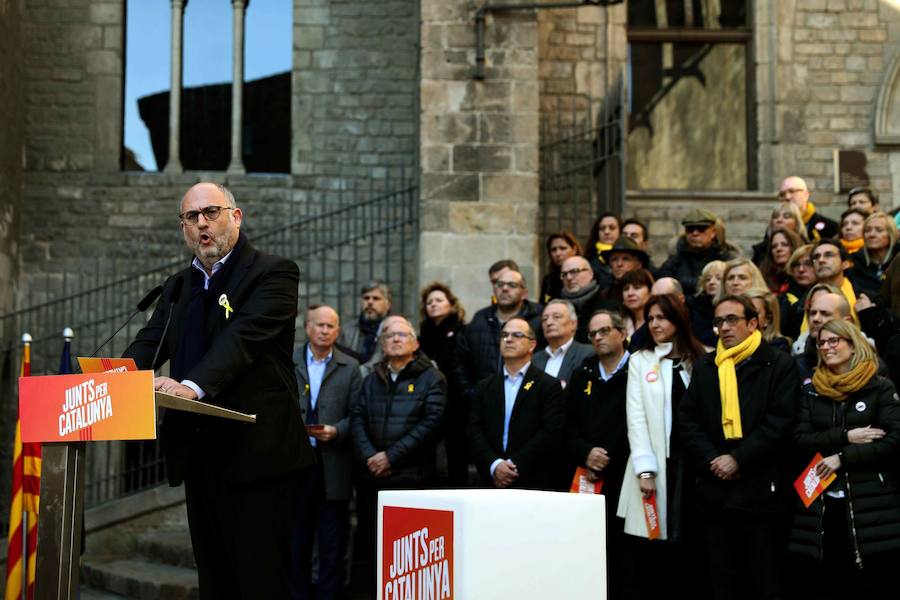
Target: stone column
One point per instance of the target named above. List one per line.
(174, 163)
(479, 149)
(237, 88)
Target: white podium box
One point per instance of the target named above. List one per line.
(490, 545)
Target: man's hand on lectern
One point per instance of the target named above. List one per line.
(169, 386)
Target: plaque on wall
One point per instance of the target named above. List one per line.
(849, 170)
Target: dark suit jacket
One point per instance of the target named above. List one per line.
(575, 355)
(341, 387)
(535, 428)
(248, 368)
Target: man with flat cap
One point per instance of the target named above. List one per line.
(703, 241)
(624, 256)
(229, 344)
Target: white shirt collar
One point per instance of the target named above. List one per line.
(561, 351)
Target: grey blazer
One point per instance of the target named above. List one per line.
(341, 386)
(575, 355)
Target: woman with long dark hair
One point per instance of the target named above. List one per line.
(635, 296)
(851, 417)
(781, 246)
(658, 376)
(560, 246)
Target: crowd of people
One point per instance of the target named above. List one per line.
(705, 385)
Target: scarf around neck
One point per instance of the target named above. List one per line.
(839, 386)
(726, 360)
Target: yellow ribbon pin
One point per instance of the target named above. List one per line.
(587, 390)
(411, 388)
(306, 390)
(528, 385)
(223, 302)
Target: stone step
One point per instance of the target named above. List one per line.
(88, 593)
(140, 579)
(167, 546)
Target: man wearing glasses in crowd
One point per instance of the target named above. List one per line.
(395, 427)
(516, 421)
(477, 352)
(580, 287)
(736, 425)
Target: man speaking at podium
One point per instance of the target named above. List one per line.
(229, 343)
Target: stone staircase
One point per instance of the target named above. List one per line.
(161, 568)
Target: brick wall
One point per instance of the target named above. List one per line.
(355, 88)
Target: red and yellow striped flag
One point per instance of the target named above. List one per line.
(23, 512)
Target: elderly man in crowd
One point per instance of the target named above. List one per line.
(563, 354)
(359, 337)
(395, 425)
(515, 426)
(736, 424)
(794, 190)
(703, 241)
(329, 383)
(581, 289)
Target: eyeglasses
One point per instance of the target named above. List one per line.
(831, 342)
(696, 228)
(790, 191)
(602, 332)
(516, 335)
(507, 284)
(731, 320)
(573, 272)
(210, 213)
(401, 335)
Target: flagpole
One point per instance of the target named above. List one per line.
(26, 354)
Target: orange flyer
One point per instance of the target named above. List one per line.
(106, 365)
(809, 485)
(88, 406)
(651, 515)
(581, 484)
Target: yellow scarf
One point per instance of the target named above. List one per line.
(839, 386)
(728, 386)
(601, 247)
(809, 212)
(853, 245)
(849, 294)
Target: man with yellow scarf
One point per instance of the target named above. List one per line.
(794, 189)
(736, 422)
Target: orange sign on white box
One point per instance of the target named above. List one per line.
(417, 553)
(90, 406)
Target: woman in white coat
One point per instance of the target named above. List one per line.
(658, 376)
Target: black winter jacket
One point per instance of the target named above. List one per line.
(478, 346)
(403, 418)
(868, 474)
(686, 264)
(768, 385)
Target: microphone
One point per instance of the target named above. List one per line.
(143, 305)
(173, 300)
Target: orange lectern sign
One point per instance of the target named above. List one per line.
(92, 406)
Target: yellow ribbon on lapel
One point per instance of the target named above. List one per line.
(587, 390)
(528, 385)
(410, 388)
(223, 302)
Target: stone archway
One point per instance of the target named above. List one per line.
(887, 107)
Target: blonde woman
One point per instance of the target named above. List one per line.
(849, 415)
(701, 303)
(740, 275)
(769, 316)
(870, 265)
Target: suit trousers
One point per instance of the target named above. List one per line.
(241, 534)
(326, 523)
(743, 552)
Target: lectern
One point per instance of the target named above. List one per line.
(65, 412)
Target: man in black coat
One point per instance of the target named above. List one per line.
(596, 436)
(703, 241)
(739, 440)
(396, 425)
(794, 190)
(515, 426)
(229, 344)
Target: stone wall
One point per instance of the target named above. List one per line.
(478, 148)
(830, 62)
(355, 88)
